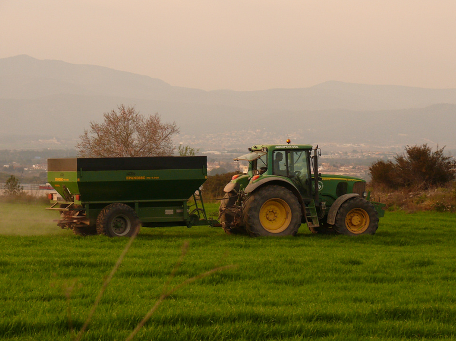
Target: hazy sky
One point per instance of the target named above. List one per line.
(243, 44)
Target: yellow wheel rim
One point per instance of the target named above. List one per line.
(275, 215)
(357, 221)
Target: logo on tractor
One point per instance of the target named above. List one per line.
(320, 185)
(286, 147)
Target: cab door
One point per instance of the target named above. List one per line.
(295, 165)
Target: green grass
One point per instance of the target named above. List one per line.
(398, 284)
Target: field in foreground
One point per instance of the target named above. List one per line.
(398, 284)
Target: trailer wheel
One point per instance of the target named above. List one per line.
(85, 231)
(272, 211)
(356, 216)
(118, 220)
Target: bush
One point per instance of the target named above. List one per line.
(12, 187)
(418, 168)
(213, 187)
(383, 173)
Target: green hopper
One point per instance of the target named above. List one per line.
(114, 196)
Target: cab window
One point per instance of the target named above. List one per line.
(294, 165)
(279, 163)
(290, 163)
(260, 165)
(298, 166)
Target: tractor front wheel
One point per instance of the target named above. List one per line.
(118, 220)
(272, 211)
(356, 216)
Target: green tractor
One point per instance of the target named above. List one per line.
(283, 189)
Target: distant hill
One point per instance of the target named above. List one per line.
(48, 98)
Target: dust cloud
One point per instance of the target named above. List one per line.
(21, 219)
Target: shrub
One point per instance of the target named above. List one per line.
(12, 187)
(440, 199)
(383, 173)
(418, 168)
(213, 187)
(440, 206)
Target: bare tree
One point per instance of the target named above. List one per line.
(127, 133)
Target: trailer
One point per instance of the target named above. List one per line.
(115, 196)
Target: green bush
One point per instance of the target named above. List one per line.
(418, 168)
(213, 187)
(12, 187)
(440, 206)
(383, 173)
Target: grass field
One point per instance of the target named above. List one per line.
(398, 284)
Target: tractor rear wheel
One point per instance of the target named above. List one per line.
(272, 211)
(356, 216)
(118, 220)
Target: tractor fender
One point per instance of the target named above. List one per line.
(253, 186)
(232, 186)
(335, 207)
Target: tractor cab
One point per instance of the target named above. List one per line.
(290, 163)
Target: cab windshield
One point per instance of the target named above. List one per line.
(294, 165)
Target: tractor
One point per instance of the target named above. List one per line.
(283, 189)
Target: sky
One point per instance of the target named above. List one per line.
(243, 44)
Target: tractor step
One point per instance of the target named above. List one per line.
(312, 216)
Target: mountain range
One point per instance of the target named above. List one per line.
(54, 101)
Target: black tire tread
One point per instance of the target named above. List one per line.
(356, 202)
(254, 203)
(105, 216)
